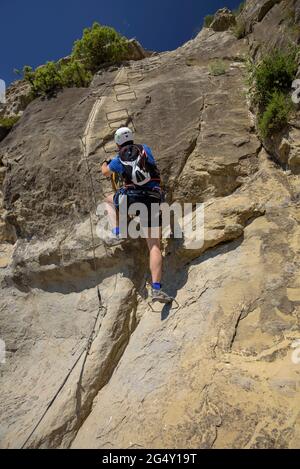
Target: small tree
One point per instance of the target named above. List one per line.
(74, 74)
(28, 74)
(99, 44)
(46, 79)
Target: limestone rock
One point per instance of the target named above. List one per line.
(223, 20)
(269, 24)
(284, 150)
(216, 354)
(216, 369)
(3, 133)
(254, 11)
(17, 97)
(136, 51)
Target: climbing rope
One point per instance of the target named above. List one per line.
(52, 400)
(93, 197)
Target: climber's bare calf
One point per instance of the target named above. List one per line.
(112, 213)
(156, 259)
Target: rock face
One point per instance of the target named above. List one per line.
(136, 51)
(17, 97)
(217, 370)
(273, 24)
(223, 20)
(270, 23)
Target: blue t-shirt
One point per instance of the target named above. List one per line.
(116, 166)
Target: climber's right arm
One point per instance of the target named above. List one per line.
(112, 166)
(105, 169)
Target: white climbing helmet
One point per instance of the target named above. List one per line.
(123, 135)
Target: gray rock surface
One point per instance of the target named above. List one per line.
(223, 20)
(215, 371)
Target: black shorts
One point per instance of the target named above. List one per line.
(151, 216)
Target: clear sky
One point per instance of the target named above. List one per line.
(35, 31)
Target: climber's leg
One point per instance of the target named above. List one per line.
(112, 212)
(157, 294)
(155, 259)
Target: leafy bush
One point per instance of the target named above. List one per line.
(98, 45)
(8, 122)
(28, 74)
(208, 20)
(274, 73)
(218, 67)
(271, 80)
(48, 79)
(276, 114)
(74, 74)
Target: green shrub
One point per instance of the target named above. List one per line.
(8, 122)
(48, 79)
(271, 80)
(239, 30)
(218, 67)
(276, 115)
(74, 73)
(275, 73)
(28, 74)
(208, 20)
(98, 45)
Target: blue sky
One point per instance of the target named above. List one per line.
(35, 31)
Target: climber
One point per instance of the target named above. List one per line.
(137, 166)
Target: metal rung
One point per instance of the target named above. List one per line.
(135, 75)
(117, 124)
(118, 115)
(121, 88)
(129, 95)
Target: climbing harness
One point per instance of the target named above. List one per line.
(116, 182)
